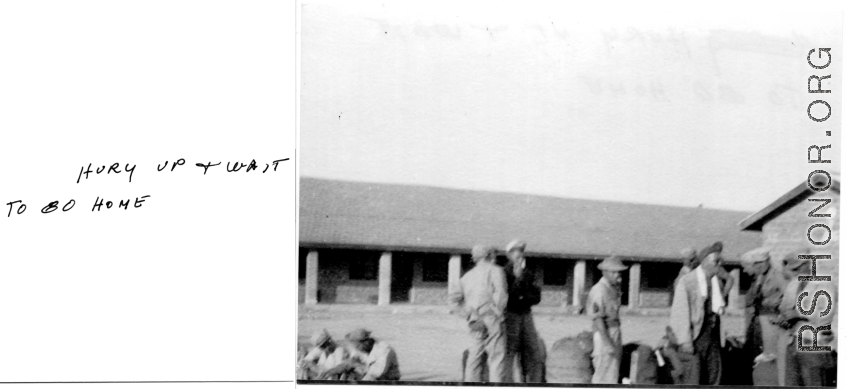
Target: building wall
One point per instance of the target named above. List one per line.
(556, 295)
(554, 274)
(335, 285)
(788, 231)
(429, 293)
(655, 299)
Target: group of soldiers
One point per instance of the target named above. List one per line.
(496, 302)
(359, 357)
(775, 316)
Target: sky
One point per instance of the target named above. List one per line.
(648, 104)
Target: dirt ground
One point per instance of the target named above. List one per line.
(429, 342)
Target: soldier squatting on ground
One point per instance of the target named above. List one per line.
(362, 358)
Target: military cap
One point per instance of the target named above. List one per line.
(515, 244)
(714, 248)
(358, 335)
(481, 251)
(320, 338)
(612, 263)
(756, 255)
(791, 262)
(688, 253)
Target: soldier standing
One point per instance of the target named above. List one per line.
(763, 301)
(522, 341)
(695, 314)
(481, 299)
(604, 303)
(805, 368)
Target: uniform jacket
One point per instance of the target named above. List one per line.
(524, 291)
(687, 310)
(604, 302)
(682, 272)
(326, 360)
(381, 364)
(788, 307)
(482, 293)
(765, 295)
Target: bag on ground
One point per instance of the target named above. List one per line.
(569, 360)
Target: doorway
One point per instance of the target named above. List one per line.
(402, 269)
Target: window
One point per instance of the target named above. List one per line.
(555, 272)
(658, 275)
(363, 267)
(435, 270)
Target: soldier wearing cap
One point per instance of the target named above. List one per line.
(522, 344)
(603, 306)
(723, 276)
(762, 304)
(370, 359)
(480, 299)
(324, 356)
(805, 368)
(695, 314)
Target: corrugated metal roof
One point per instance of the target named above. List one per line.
(406, 217)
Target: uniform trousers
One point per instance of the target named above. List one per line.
(707, 347)
(807, 368)
(493, 346)
(607, 357)
(523, 347)
(770, 334)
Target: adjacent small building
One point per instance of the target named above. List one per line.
(388, 244)
(785, 224)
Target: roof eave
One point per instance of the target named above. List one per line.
(755, 222)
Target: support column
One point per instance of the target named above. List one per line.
(312, 278)
(735, 291)
(384, 279)
(634, 285)
(578, 283)
(417, 278)
(454, 273)
(539, 271)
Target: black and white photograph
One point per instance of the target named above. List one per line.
(570, 194)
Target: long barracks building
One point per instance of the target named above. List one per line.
(388, 244)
